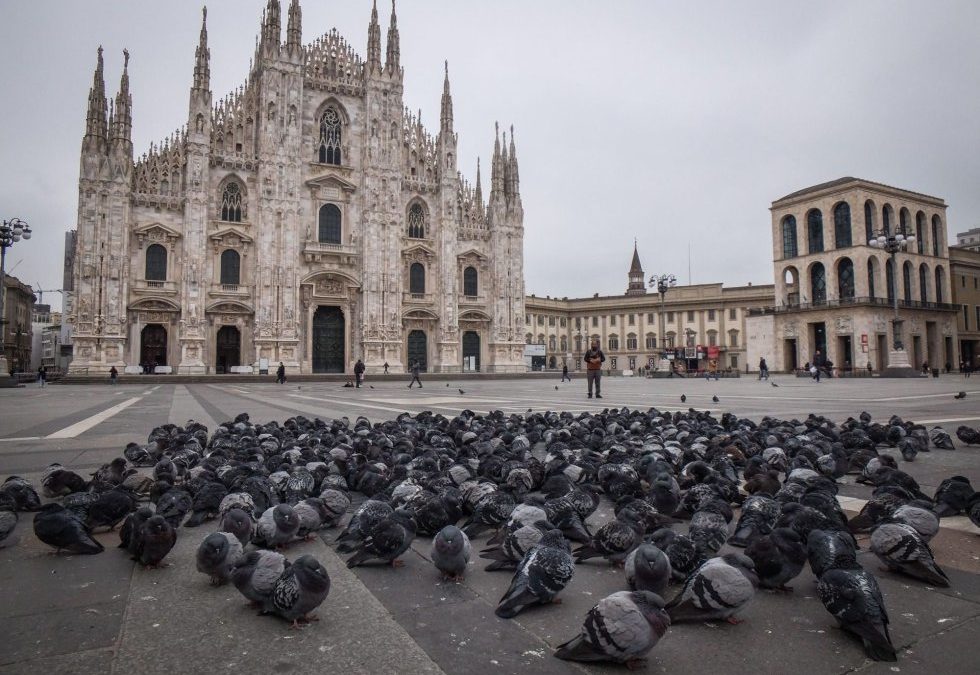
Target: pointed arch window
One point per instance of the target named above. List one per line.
(156, 263)
(231, 266)
(416, 278)
(869, 221)
(920, 232)
(789, 237)
(416, 222)
(470, 278)
(818, 284)
(871, 278)
(329, 231)
(842, 225)
(845, 279)
(886, 219)
(936, 238)
(328, 147)
(907, 281)
(814, 231)
(232, 203)
(923, 283)
(939, 284)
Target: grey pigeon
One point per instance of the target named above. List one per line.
(545, 571)
(387, 541)
(708, 530)
(238, 523)
(217, 555)
(613, 541)
(8, 522)
(312, 513)
(57, 481)
(923, 520)
(255, 574)
(368, 514)
(22, 492)
(336, 503)
(301, 589)
(940, 438)
(174, 504)
(131, 527)
(276, 527)
(622, 627)
(853, 598)
(58, 527)
(237, 500)
(451, 552)
(648, 569)
(514, 546)
(684, 555)
(902, 549)
(778, 556)
(717, 590)
(759, 516)
(154, 540)
(830, 549)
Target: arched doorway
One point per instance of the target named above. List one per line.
(328, 340)
(153, 345)
(471, 349)
(418, 345)
(228, 350)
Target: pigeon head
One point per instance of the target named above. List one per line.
(311, 574)
(743, 564)
(648, 602)
(156, 525)
(449, 540)
(214, 548)
(284, 516)
(555, 539)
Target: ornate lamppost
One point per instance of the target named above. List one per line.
(11, 231)
(892, 243)
(663, 283)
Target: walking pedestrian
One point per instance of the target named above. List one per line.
(358, 373)
(818, 363)
(281, 373)
(113, 376)
(416, 369)
(42, 375)
(386, 367)
(594, 358)
(564, 373)
(763, 369)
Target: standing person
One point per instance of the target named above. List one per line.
(113, 375)
(818, 363)
(358, 373)
(564, 373)
(281, 373)
(42, 375)
(712, 370)
(416, 369)
(386, 367)
(763, 369)
(594, 358)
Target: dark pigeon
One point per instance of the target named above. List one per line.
(541, 576)
(58, 527)
(853, 598)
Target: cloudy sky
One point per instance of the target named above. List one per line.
(674, 123)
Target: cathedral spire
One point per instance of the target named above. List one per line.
(374, 41)
(515, 181)
(271, 28)
(478, 193)
(496, 173)
(294, 29)
(96, 129)
(202, 57)
(393, 58)
(122, 121)
(446, 116)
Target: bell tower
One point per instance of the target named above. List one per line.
(636, 285)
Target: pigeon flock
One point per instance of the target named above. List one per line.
(681, 485)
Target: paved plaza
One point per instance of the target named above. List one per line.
(75, 614)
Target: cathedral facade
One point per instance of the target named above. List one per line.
(306, 218)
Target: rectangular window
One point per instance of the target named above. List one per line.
(527, 319)
(670, 317)
(962, 281)
(977, 317)
(711, 315)
(632, 319)
(734, 362)
(540, 320)
(595, 321)
(731, 313)
(966, 318)
(974, 282)
(563, 322)
(690, 315)
(578, 322)
(612, 320)
(551, 321)
(650, 315)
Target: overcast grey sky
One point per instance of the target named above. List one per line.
(673, 122)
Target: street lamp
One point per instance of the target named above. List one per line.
(10, 232)
(663, 283)
(892, 244)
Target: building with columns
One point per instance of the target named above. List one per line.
(835, 293)
(307, 217)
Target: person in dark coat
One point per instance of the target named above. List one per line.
(819, 362)
(281, 373)
(42, 375)
(416, 369)
(564, 373)
(113, 375)
(358, 373)
(386, 367)
(763, 369)
(594, 358)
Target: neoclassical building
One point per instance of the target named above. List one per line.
(836, 293)
(307, 217)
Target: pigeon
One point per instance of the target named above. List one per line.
(556, 387)
(622, 628)
(22, 492)
(717, 590)
(276, 527)
(514, 546)
(960, 395)
(921, 519)
(174, 505)
(613, 541)
(952, 496)
(973, 510)
(773, 384)
(255, 574)
(131, 527)
(312, 513)
(648, 569)
(853, 598)
(154, 540)
(369, 514)
(715, 399)
(940, 439)
(217, 555)
(684, 555)
(238, 523)
(903, 550)
(336, 504)
(830, 549)
(968, 435)
(759, 516)
(683, 398)
(57, 481)
(386, 541)
(779, 557)
(450, 552)
(207, 503)
(58, 527)
(301, 588)
(461, 391)
(543, 573)
(110, 509)
(708, 529)
(8, 522)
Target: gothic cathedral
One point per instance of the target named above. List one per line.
(307, 218)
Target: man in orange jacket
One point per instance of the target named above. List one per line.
(594, 358)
